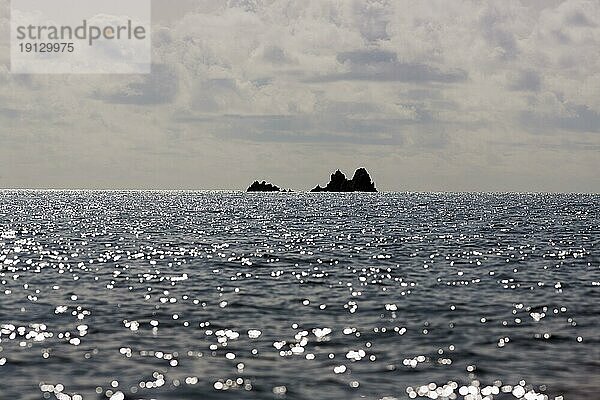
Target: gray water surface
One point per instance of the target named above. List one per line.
(228, 295)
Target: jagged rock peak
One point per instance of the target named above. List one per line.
(360, 182)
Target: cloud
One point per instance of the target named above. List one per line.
(366, 57)
(575, 118)
(378, 65)
(492, 27)
(276, 55)
(10, 113)
(159, 87)
(299, 128)
(527, 80)
(373, 19)
(578, 18)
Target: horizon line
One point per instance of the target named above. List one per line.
(34, 189)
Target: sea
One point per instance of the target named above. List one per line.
(230, 295)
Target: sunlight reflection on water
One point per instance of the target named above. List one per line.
(176, 295)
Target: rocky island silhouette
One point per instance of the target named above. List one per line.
(360, 182)
(263, 187)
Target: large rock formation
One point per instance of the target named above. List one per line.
(360, 182)
(262, 187)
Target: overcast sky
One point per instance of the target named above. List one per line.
(427, 95)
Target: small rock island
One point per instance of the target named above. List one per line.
(263, 187)
(360, 182)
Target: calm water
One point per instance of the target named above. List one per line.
(198, 295)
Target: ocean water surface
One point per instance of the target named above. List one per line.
(228, 295)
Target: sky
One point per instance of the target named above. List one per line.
(427, 95)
